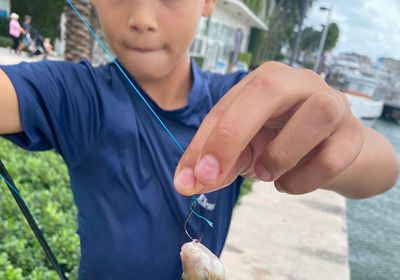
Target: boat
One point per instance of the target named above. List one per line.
(355, 76)
(364, 107)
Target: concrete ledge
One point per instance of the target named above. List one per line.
(278, 236)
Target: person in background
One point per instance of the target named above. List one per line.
(15, 30)
(48, 47)
(27, 38)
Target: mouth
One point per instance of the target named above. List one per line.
(142, 47)
(144, 50)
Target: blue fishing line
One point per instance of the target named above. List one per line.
(107, 51)
(193, 203)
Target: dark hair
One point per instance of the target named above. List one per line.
(27, 17)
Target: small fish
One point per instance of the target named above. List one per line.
(199, 263)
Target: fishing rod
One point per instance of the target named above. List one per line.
(31, 221)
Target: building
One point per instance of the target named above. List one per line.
(4, 8)
(224, 37)
(390, 64)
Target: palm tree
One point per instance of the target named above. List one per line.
(283, 16)
(78, 41)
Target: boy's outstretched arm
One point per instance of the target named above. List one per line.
(9, 110)
(374, 171)
(286, 125)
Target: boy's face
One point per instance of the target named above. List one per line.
(151, 37)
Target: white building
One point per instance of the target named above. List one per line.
(4, 8)
(226, 32)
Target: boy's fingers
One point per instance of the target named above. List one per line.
(235, 129)
(335, 155)
(185, 169)
(243, 166)
(225, 134)
(312, 123)
(209, 122)
(244, 160)
(184, 180)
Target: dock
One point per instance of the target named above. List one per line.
(284, 237)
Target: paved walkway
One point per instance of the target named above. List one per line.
(7, 57)
(282, 237)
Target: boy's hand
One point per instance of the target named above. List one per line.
(278, 124)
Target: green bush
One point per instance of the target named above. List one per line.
(309, 65)
(245, 57)
(42, 180)
(245, 189)
(4, 26)
(199, 60)
(280, 56)
(5, 42)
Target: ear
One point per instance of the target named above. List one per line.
(208, 8)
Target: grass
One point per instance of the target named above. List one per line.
(245, 189)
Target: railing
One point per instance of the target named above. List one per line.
(211, 51)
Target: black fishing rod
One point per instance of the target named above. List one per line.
(31, 221)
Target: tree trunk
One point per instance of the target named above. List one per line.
(78, 43)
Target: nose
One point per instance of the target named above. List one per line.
(142, 17)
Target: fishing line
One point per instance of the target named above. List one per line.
(113, 59)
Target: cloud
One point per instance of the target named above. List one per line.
(370, 27)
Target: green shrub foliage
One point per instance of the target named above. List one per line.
(42, 180)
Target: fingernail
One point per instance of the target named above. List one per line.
(278, 187)
(185, 179)
(263, 173)
(208, 169)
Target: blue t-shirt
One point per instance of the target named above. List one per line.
(121, 164)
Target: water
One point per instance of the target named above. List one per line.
(374, 226)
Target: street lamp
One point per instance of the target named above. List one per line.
(323, 37)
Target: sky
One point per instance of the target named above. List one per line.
(369, 27)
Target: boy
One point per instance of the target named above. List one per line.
(276, 123)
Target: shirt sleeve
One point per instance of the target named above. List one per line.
(221, 84)
(60, 107)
